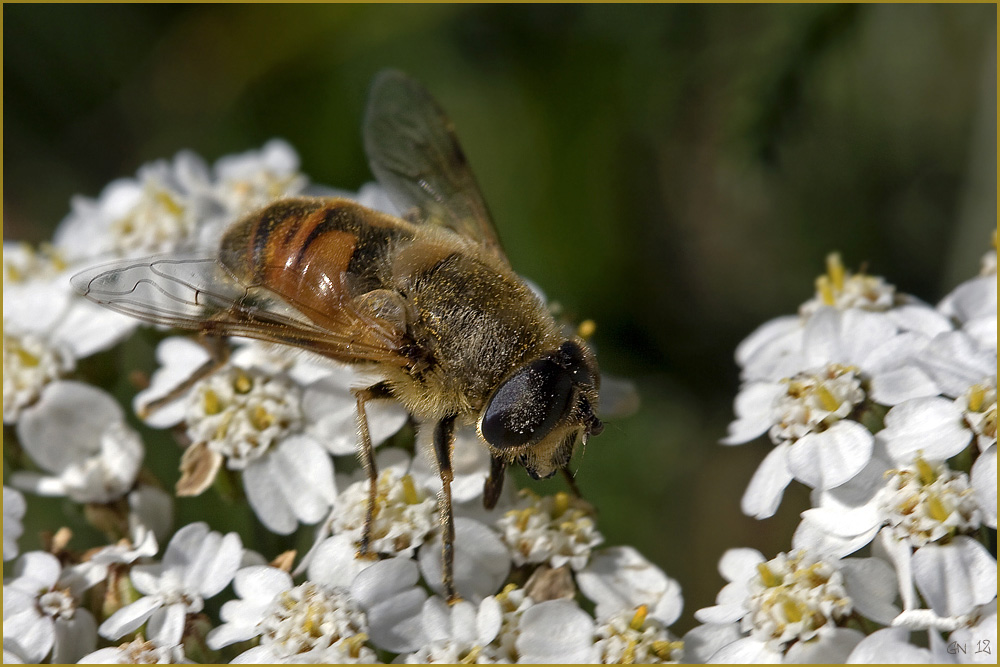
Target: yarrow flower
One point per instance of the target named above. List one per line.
(312, 622)
(556, 530)
(890, 425)
(197, 565)
(267, 415)
(43, 618)
(794, 607)
(78, 433)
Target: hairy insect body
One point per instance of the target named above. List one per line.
(465, 317)
(427, 303)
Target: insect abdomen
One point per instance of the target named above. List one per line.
(317, 253)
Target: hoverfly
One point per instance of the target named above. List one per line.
(427, 303)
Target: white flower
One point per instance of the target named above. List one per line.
(556, 631)
(812, 414)
(925, 502)
(556, 530)
(766, 353)
(98, 565)
(13, 512)
(620, 580)
(636, 638)
(78, 433)
(458, 633)
(41, 618)
(29, 364)
(393, 602)
(973, 304)
(481, 561)
(160, 210)
(250, 180)
(404, 515)
(915, 504)
(949, 364)
(139, 651)
(47, 327)
(312, 622)
(274, 416)
(796, 604)
(197, 565)
(955, 578)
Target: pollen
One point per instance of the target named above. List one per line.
(640, 617)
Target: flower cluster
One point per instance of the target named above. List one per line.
(886, 408)
(277, 430)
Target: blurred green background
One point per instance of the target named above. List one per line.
(675, 172)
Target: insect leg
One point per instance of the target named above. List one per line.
(444, 440)
(571, 480)
(494, 483)
(367, 455)
(218, 349)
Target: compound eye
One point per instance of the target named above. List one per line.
(528, 405)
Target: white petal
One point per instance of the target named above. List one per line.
(334, 561)
(621, 579)
(266, 497)
(721, 614)
(482, 560)
(130, 617)
(36, 570)
(956, 361)
(920, 318)
(871, 584)
(215, 565)
(899, 553)
(956, 577)
(828, 459)
(861, 334)
(703, 641)
(556, 631)
(393, 603)
(810, 536)
(29, 634)
(763, 494)
(984, 485)
(153, 508)
(179, 357)
(977, 638)
(828, 648)
(888, 646)
(260, 582)
(769, 341)
(930, 426)
(754, 409)
(75, 637)
(746, 650)
(65, 425)
(901, 384)
(88, 328)
(166, 625)
(489, 620)
(305, 474)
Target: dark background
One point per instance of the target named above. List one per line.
(676, 173)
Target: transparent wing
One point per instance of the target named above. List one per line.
(414, 154)
(198, 294)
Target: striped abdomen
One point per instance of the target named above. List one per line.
(316, 253)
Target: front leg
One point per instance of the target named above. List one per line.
(494, 483)
(444, 440)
